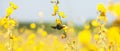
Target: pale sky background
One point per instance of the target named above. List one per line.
(78, 11)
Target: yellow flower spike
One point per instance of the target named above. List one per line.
(61, 14)
(9, 11)
(101, 7)
(58, 21)
(33, 25)
(95, 23)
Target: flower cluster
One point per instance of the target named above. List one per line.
(59, 25)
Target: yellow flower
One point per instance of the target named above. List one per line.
(65, 28)
(12, 22)
(31, 36)
(114, 9)
(13, 5)
(113, 34)
(42, 32)
(3, 21)
(95, 23)
(58, 21)
(87, 26)
(61, 14)
(103, 18)
(56, 8)
(33, 25)
(101, 7)
(9, 11)
(7, 23)
(84, 36)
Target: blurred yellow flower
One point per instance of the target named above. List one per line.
(103, 18)
(33, 25)
(84, 36)
(101, 7)
(114, 8)
(58, 21)
(113, 34)
(12, 22)
(42, 32)
(13, 5)
(9, 11)
(56, 8)
(3, 21)
(31, 36)
(95, 23)
(7, 23)
(65, 28)
(87, 26)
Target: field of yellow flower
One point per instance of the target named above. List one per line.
(95, 35)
